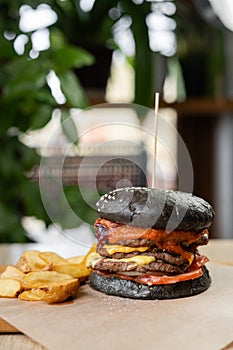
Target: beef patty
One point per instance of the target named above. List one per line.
(158, 254)
(122, 266)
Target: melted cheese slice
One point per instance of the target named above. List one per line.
(189, 256)
(138, 259)
(94, 258)
(111, 249)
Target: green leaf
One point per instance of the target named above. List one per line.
(41, 116)
(44, 96)
(33, 204)
(71, 57)
(57, 38)
(7, 50)
(10, 228)
(69, 127)
(73, 90)
(26, 77)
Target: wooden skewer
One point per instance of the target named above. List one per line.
(155, 138)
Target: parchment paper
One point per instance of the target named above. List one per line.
(96, 321)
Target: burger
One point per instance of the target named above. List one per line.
(147, 244)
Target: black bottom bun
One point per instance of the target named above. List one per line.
(130, 289)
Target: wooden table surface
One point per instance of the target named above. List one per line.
(218, 251)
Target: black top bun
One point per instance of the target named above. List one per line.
(156, 208)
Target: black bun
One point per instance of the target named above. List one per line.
(161, 209)
(131, 289)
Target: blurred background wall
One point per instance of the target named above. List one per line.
(64, 55)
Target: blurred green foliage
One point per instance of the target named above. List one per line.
(86, 28)
(26, 103)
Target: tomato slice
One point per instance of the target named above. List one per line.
(150, 279)
(199, 261)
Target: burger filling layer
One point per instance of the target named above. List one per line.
(135, 251)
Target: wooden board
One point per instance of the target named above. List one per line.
(6, 327)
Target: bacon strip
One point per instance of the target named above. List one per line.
(164, 240)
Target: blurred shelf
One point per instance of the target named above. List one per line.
(201, 106)
(96, 96)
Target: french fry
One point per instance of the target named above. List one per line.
(43, 278)
(90, 251)
(75, 259)
(52, 258)
(57, 292)
(9, 288)
(31, 261)
(29, 296)
(75, 270)
(13, 272)
(81, 258)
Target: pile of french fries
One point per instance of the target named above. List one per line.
(44, 276)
